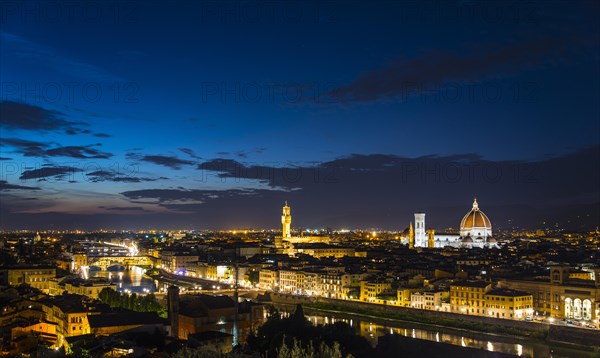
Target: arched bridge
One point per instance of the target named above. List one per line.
(128, 261)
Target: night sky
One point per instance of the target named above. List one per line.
(127, 115)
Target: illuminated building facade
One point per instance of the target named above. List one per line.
(475, 232)
(561, 296)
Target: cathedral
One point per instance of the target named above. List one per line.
(475, 231)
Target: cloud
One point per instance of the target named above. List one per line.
(23, 116)
(355, 191)
(27, 50)
(190, 152)
(38, 149)
(167, 161)
(122, 208)
(5, 158)
(15, 115)
(22, 143)
(408, 75)
(105, 175)
(360, 189)
(182, 199)
(80, 152)
(4, 185)
(58, 172)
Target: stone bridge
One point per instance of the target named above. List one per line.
(128, 261)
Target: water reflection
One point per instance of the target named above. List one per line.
(133, 280)
(372, 331)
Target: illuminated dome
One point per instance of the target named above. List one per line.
(475, 223)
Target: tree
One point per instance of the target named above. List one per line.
(297, 350)
(132, 302)
(253, 277)
(297, 334)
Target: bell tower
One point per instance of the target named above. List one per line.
(420, 235)
(286, 222)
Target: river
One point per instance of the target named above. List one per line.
(133, 280)
(373, 328)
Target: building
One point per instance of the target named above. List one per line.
(179, 263)
(286, 222)
(331, 285)
(106, 324)
(204, 313)
(475, 231)
(80, 259)
(371, 289)
(428, 300)
(420, 237)
(291, 281)
(35, 276)
(321, 250)
(468, 297)
(284, 241)
(75, 285)
(403, 296)
(510, 304)
(268, 279)
(70, 313)
(560, 296)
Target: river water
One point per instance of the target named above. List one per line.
(133, 280)
(371, 330)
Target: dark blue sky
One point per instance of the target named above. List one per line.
(133, 114)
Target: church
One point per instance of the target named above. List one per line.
(475, 231)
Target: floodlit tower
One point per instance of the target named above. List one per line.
(411, 236)
(431, 238)
(286, 222)
(420, 235)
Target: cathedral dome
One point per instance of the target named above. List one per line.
(475, 218)
(475, 223)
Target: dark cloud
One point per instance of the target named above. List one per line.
(76, 131)
(102, 135)
(105, 175)
(38, 149)
(181, 194)
(122, 208)
(57, 172)
(81, 152)
(134, 156)
(22, 143)
(15, 115)
(4, 158)
(362, 189)
(190, 152)
(4, 185)
(167, 161)
(408, 75)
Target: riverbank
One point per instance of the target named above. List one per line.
(587, 340)
(382, 325)
(432, 321)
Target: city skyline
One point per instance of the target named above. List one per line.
(359, 115)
